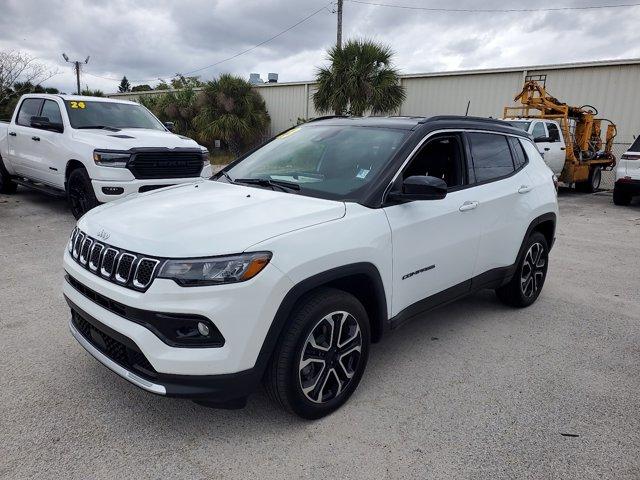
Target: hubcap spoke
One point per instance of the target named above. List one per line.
(533, 270)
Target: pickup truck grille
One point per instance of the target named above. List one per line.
(128, 269)
(166, 164)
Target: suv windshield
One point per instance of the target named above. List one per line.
(83, 114)
(326, 161)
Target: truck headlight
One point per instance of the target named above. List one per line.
(215, 270)
(111, 159)
(205, 157)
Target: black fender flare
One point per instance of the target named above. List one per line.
(298, 291)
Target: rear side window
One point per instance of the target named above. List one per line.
(29, 108)
(538, 130)
(491, 156)
(51, 111)
(519, 155)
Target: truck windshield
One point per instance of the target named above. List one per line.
(327, 161)
(83, 114)
(521, 125)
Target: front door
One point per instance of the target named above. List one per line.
(435, 242)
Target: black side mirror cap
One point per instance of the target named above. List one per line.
(43, 123)
(420, 187)
(170, 126)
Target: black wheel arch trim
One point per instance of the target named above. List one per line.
(298, 291)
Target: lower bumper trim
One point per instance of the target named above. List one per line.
(110, 364)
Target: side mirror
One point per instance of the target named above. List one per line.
(420, 187)
(43, 123)
(543, 139)
(170, 126)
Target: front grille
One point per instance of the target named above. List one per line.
(166, 164)
(127, 356)
(125, 268)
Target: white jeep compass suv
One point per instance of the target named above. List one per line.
(289, 263)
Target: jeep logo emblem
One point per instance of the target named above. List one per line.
(103, 234)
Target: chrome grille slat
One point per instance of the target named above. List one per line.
(124, 268)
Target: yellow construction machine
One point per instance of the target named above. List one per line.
(586, 153)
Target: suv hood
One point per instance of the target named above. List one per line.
(206, 218)
(133, 138)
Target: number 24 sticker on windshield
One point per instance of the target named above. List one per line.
(77, 105)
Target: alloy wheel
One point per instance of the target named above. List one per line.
(78, 200)
(330, 357)
(533, 270)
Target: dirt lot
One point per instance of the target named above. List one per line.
(476, 390)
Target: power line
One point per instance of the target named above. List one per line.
(232, 56)
(494, 10)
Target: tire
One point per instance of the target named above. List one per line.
(593, 182)
(6, 185)
(621, 198)
(298, 377)
(525, 286)
(80, 193)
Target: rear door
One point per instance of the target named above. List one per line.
(503, 189)
(555, 156)
(23, 149)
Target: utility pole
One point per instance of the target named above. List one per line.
(76, 67)
(339, 38)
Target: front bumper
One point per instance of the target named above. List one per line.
(217, 388)
(122, 188)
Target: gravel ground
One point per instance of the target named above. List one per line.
(473, 390)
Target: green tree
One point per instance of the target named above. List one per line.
(180, 81)
(124, 86)
(232, 111)
(141, 88)
(180, 107)
(87, 92)
(360, 78)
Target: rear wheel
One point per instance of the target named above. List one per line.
(80, 193)
(621, 198)
(593, 182)
(6, 185)
(321, 357)
(527, 282)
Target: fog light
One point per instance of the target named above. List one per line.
(112, 190)
(203, 329)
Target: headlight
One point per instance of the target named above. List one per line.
(111, 159)
(215, 270)
(205, 157)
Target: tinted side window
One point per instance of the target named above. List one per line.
(29, 108)
(491, 156)
(554, 133)
(519, 155)
(538, 130)
(440, 157)
(51, 111)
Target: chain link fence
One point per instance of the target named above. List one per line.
(609, 177)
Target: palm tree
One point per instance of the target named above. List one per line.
(230, 110)
(360, 78)
(179, 107)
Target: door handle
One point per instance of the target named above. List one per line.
(468, 206)
(524, 189)
(35, 139)
(563, 148)
(546, 149)
(12, 134)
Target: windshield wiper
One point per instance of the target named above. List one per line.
(98, 127)
(265, 182)
(227, 176)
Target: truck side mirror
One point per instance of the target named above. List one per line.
(170, 126)
(420, 187)
(43, 123)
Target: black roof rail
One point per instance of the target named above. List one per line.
(458, 118)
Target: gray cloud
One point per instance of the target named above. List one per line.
(146, 39)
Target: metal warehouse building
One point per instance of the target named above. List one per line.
(611, 86)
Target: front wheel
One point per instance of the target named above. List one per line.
(80, 193)
(527, 282)
(322, 355)
(621, 198)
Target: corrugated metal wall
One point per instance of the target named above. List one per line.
(612, 87)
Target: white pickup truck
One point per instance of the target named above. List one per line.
(548, 137)
(93, 150)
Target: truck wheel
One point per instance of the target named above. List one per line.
(593, 182)
(80, 193)
(621, 198)
(6, 185)
(321, 356)
(527, 282)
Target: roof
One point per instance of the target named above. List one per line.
(410, 123)
(78, 98)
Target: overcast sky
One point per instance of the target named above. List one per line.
(145, 40)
